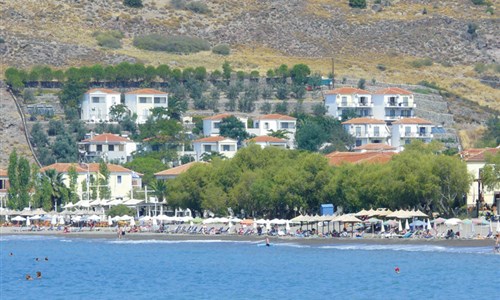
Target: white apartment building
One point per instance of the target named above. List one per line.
(142, 101)
(97, 103)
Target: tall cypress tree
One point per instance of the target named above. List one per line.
(13, 191)
(24, 180)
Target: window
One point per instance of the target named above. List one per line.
(405, 101)
(207, 148)
(392, 113)
(266, 125)
(392, 101)
(226, 148)
(119, 179)
(407, 131)
(407, 141)
(376, 131)
(99, 148)
(358, 143)
(160, 100)
(358, 131)
(144, 100)
(284, 125)
(111, 147)
(2, 184)
(121, 148)
(216, 125)
(96, 100)
(344, 101)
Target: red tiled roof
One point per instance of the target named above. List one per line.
(276, 117)
(266, 139)
(82, 168)
(364, 121)
(177, 170)
(212, 139)
(105, 91)
(376, 147)
(107, 137)
(478, 154)
(347, 91)
(3, 173)
(413, 121)
(218, 117)
(146, 92)
(338, 158)
(392, 91)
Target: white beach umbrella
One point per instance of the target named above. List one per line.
(498, 225)
(28, 223)
(37, 217)
(287, 226)
(407, 226)
(400, 227)
(429, 227)
(132, 222)
(491, 228)
(453, 222)
(54, 220)
(110, 222)
(268, 225)
(382, 229)
(18, 219)
(61, 220)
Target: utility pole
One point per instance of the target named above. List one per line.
(479, 193)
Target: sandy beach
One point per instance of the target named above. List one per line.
(109, 234)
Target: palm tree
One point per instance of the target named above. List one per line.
(160, 189)
(58, 188)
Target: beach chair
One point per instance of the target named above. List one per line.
(407, 235)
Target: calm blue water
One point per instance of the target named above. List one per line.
(107, 269)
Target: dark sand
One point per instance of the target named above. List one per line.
(232, 237)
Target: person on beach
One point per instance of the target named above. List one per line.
(28, 277)
(38, 274)
(267, 242)
(497, 243)
(119, 233)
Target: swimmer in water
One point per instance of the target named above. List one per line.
(36, 259)
(28, 277)
(46, 259)
(38, 274)
(11, 254)
(396, 269)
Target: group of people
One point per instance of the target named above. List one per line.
(38, 273)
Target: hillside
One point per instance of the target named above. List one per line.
(266, 33)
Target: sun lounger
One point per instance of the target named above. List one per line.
(407, 235)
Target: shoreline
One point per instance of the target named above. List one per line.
(145, 236)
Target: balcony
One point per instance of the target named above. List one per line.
(418, 135)
(400, 104)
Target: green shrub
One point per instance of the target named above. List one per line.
(222, 49)
(178, 4)
(173, 44)
(2, 40)
(490, 10)
(133, 3)
(480, 68)
(109, 39)
(357, 3)
(421, 62)
(478, 2)
(198, 7)
(361, 83)
(381, 67)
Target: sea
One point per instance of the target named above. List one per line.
(153, 269)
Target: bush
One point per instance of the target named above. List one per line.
(421, 62)
(133, 3)
(478, 2)
(198, 7)
(222, 49)
(357, 3)
(2, 40)
(381, 67)
(480, 68)
(178, 4)
(173, 44)
(361, 83)
(109, 39)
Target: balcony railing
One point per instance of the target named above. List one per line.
(400, 104)
(418, 134)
